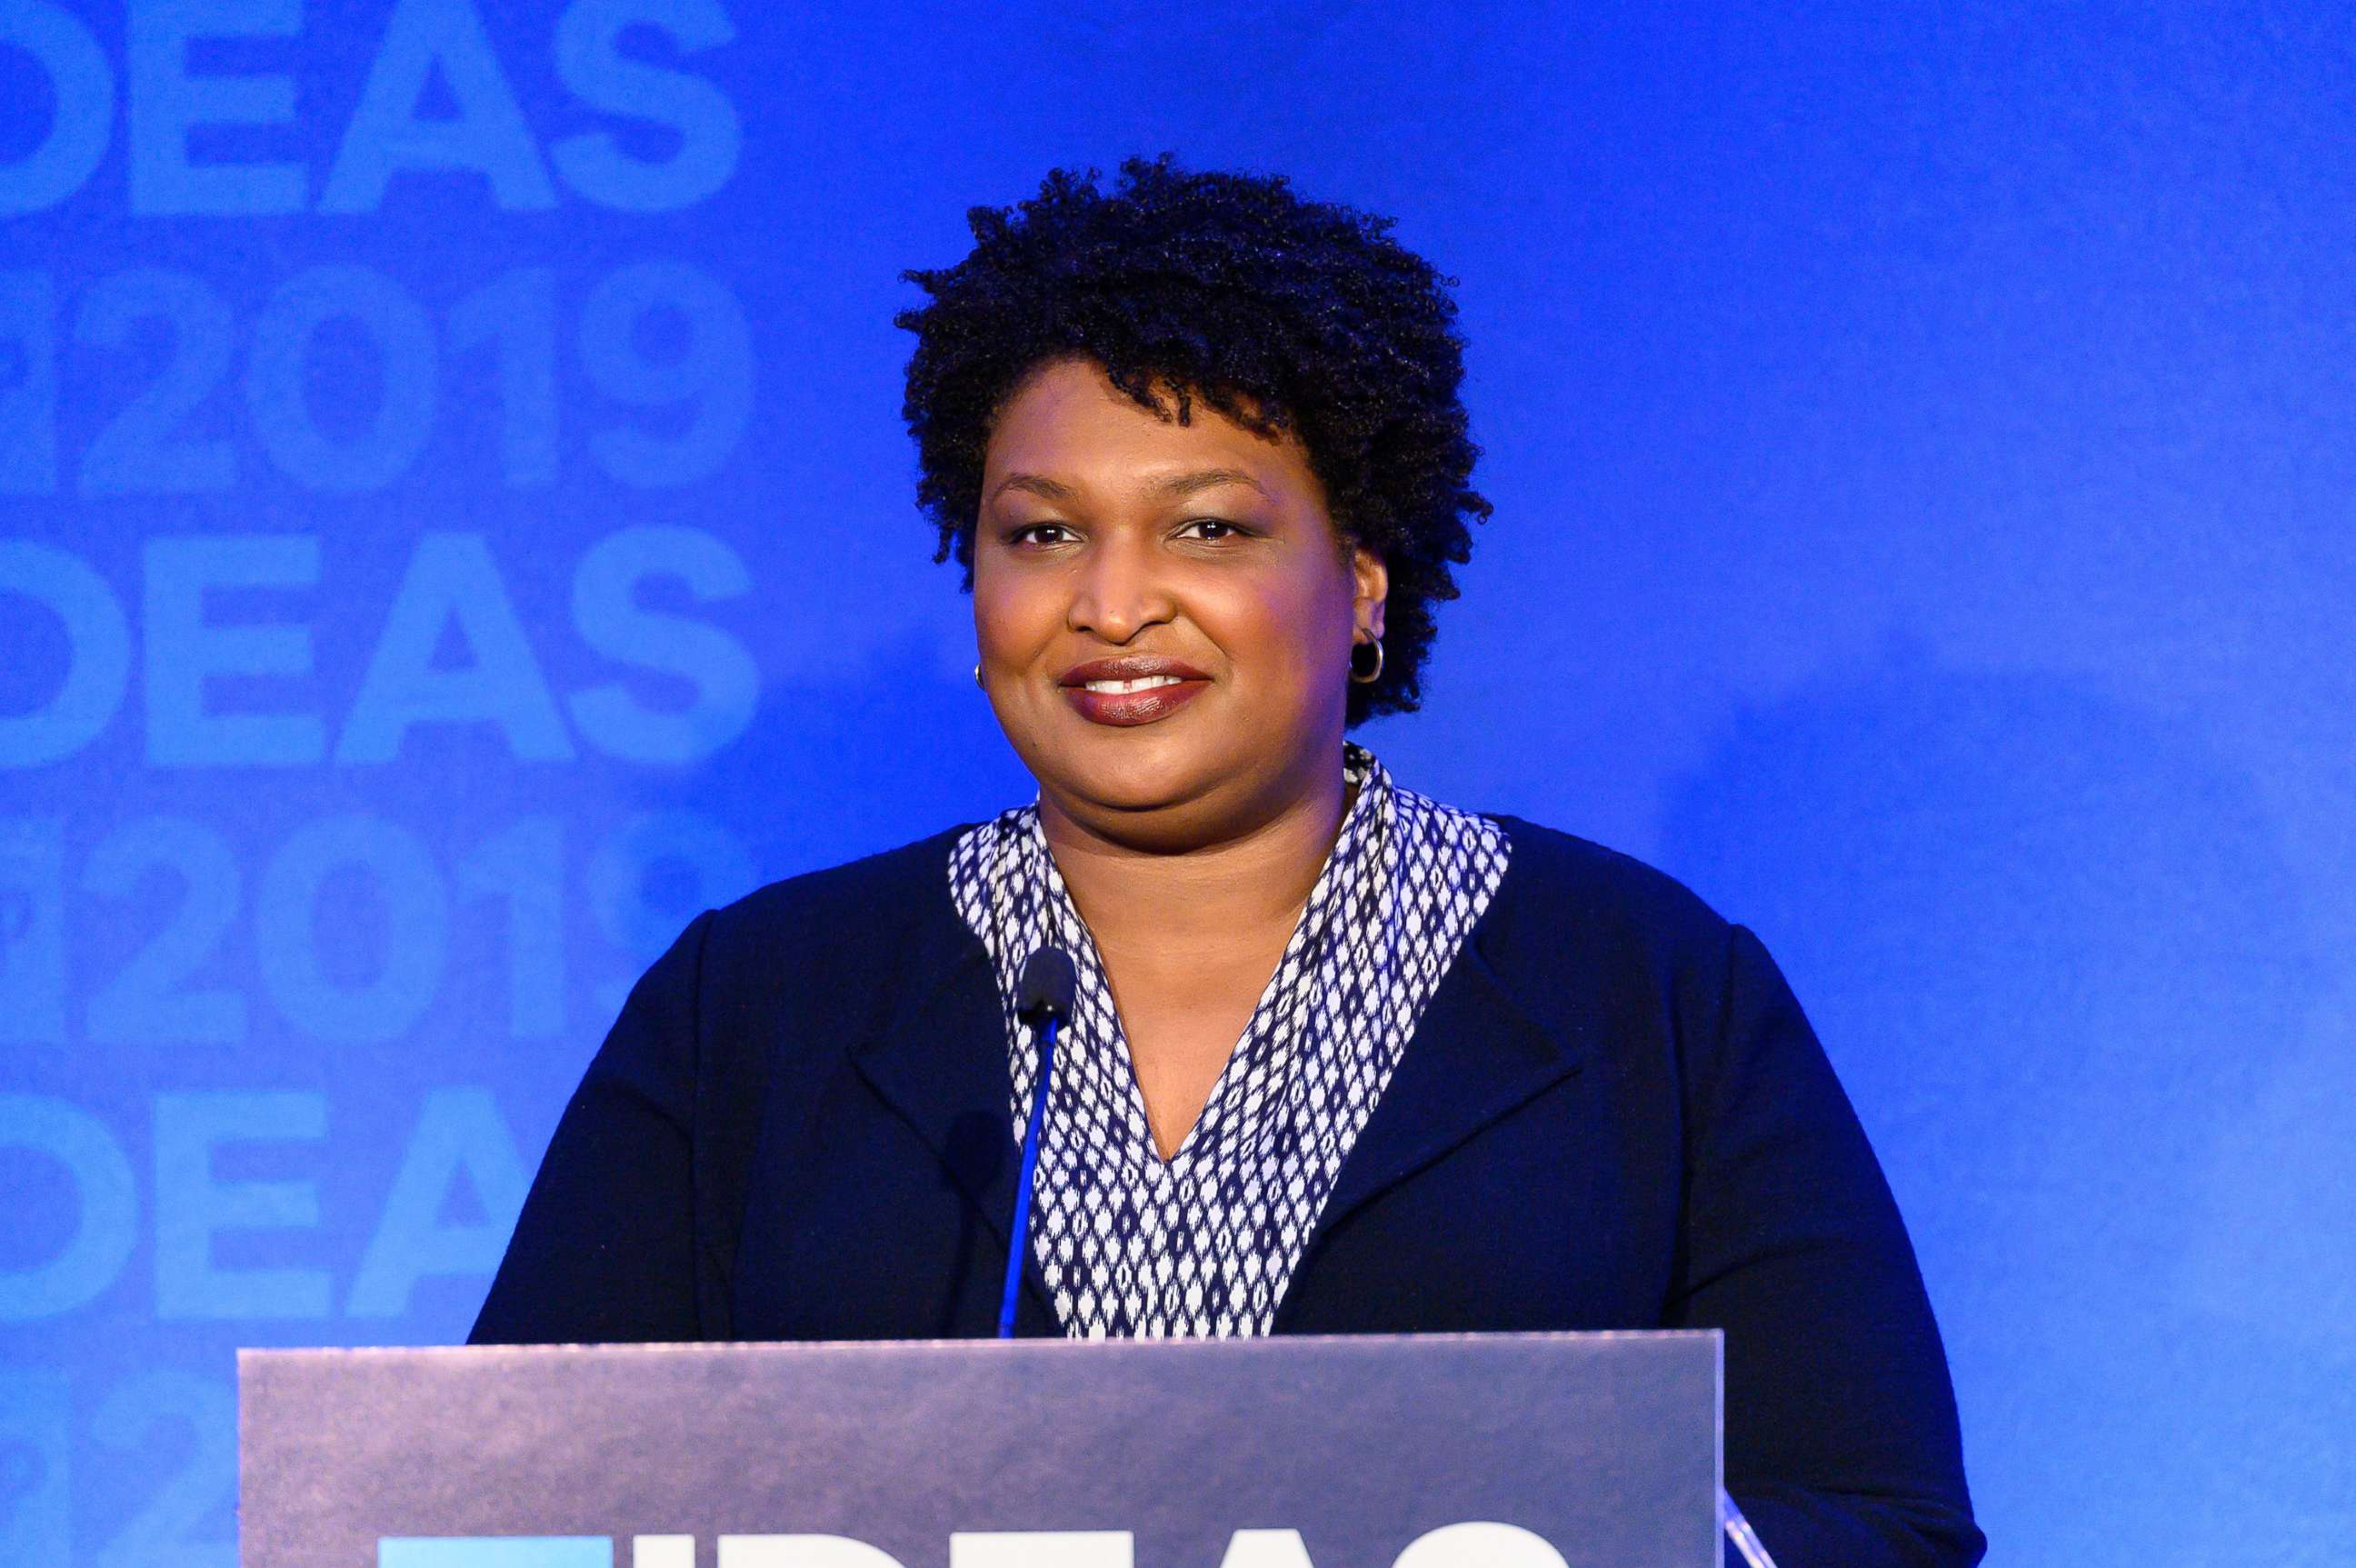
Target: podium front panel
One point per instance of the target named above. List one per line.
(1475, 1451)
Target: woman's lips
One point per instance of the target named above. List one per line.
(1156, 699)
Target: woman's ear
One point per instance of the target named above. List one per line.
(1374, 585)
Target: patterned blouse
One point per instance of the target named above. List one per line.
(1205, 1243)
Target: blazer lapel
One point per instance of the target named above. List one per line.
(941, 1065)
(1476, 1055)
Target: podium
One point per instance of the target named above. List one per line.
(1455, 1451)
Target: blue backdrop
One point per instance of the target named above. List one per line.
(458, 526)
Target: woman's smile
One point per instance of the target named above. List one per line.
(1131, 689)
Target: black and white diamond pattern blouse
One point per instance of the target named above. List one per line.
(1205, 1244)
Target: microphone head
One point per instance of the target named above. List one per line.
(1045, 991)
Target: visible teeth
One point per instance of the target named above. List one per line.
(1143, 683)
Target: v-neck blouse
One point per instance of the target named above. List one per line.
(1204, 1242)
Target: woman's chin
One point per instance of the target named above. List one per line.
(1140, 790)
(1151, 796)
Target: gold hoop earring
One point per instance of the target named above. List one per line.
(1371, 676)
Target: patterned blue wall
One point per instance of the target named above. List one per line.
(457, 526)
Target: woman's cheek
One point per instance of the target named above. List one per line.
(1007, 621)
(1306, 620)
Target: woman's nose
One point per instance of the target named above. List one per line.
(1117, 591)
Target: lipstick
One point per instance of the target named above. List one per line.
(1132, 688)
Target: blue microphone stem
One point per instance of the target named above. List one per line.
(1019, 1240)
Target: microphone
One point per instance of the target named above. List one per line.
(1042, 998)
(1047, 985)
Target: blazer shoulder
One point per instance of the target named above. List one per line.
(1564, 892)
(852, 935)
(870, 896)
(1566, 870)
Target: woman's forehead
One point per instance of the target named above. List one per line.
(1068, 431)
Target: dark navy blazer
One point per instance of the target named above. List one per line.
(1611, 1115)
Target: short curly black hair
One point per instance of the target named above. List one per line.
(1232, 288)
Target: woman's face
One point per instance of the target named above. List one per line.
(1165, 611)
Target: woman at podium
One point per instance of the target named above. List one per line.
(1330, 1056)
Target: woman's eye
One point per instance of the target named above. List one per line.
(1038, 533)
(1213, 527)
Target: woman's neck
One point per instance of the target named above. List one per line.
(1223, 899)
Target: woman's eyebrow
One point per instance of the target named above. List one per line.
(1037, 484)
(1175, 486)
(1205, 479)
